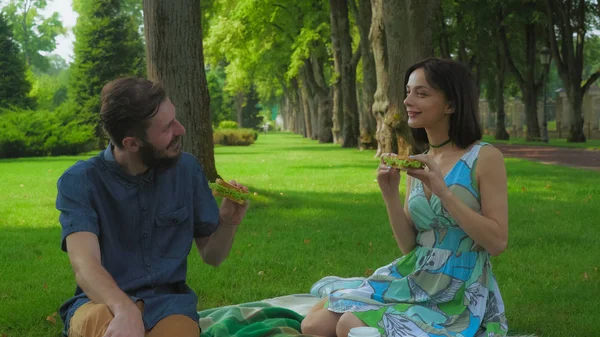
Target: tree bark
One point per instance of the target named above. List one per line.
(239, 108)
(377, 37)
(340, 35)
(175, 58)
(501, 133)
(323, 93)
(409, 40)
(368, 124)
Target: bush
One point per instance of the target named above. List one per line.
(228, 125)
(26, 133)
(234, 136)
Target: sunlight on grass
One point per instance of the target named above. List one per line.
(317, 211)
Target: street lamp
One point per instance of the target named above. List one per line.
(544, 59)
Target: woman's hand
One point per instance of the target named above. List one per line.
(431, 176)
(388, 179)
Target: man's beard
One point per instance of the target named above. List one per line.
(153, 158)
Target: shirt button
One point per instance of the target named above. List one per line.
(145, 235)
(175, 221)
(148, 265)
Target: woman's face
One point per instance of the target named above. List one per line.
(426, 106)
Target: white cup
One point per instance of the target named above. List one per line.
(364, 332)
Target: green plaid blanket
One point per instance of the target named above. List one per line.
(256, 319)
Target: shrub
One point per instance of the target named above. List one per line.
(26, 133)
(234, 136)
(228, 125)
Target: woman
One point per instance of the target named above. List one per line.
(455, 215)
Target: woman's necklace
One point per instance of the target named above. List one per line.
(437, 146)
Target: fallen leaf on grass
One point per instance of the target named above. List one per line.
(523, 189)
(585, 275)
(306, 241)
(261, 273)
(368, 272)
(557, 213)
(596, 269)
(52, 318)
(45, 286)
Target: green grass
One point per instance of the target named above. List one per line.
(591, 144)
(318, 212)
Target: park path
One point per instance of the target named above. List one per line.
(580, 158)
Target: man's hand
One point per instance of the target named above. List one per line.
(232, 213)
(127, 323)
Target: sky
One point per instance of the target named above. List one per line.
(64, 43)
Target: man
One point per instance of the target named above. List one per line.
(129, 216)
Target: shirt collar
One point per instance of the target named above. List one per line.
(114, 167)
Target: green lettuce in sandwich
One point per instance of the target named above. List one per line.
(226, 190)
(401, 162)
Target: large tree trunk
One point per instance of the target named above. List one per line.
(175, 58)
(501, 133)
(576, 132)
(377, 37)
(340, 35)
(306, 108)
(409, 40)
(323, 93)
(368, 124)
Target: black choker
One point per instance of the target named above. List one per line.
(444, 143)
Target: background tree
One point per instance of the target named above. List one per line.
(107, 45)
(34, 33)
(14, 86)
(175, 58)
(569, 23)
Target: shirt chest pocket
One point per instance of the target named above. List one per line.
(175, 233)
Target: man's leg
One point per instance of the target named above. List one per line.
(320, 321)
(90, 320)
(175, 325)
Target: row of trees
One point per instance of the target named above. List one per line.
(329, 65)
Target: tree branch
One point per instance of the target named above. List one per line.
(560, 62)
(509, 59)
(355, 58)
(590, 81)
(283, 31)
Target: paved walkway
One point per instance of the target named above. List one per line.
(580, 158)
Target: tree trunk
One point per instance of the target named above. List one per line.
(368, 123)
(323, 94)
(175, 58)
(298, 109)
(501, 133)
(340, 36)
(377, 37)
(306, 109)
(576, 132)
(239, 108)
(409, 40)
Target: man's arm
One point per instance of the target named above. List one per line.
(100, 287)
(215, 248)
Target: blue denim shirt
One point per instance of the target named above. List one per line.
(145, 226)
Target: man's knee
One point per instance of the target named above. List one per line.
(320, 322)
(175, 325)
(90, 320)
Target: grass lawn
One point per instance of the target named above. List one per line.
(591, 144)
(318, 212)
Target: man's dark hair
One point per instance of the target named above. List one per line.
(457, 83)
(127, 105)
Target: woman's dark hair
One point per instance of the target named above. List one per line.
(457, 83)
(127, 105)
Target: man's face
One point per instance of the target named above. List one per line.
(162, 144)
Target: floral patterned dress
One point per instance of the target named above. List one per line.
(444, 287)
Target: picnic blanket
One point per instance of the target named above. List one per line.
(257, 319)
(274, 317)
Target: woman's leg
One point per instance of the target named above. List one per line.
(347, 322)
(320, 321)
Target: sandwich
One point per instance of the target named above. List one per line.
(401, 162)
(223, 189)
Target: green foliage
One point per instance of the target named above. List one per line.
(50, 91)
(26, 133)
(235, 137)
(35, 33)
(228, 125)
(14, 86)
(221, 103)
(108, 45)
